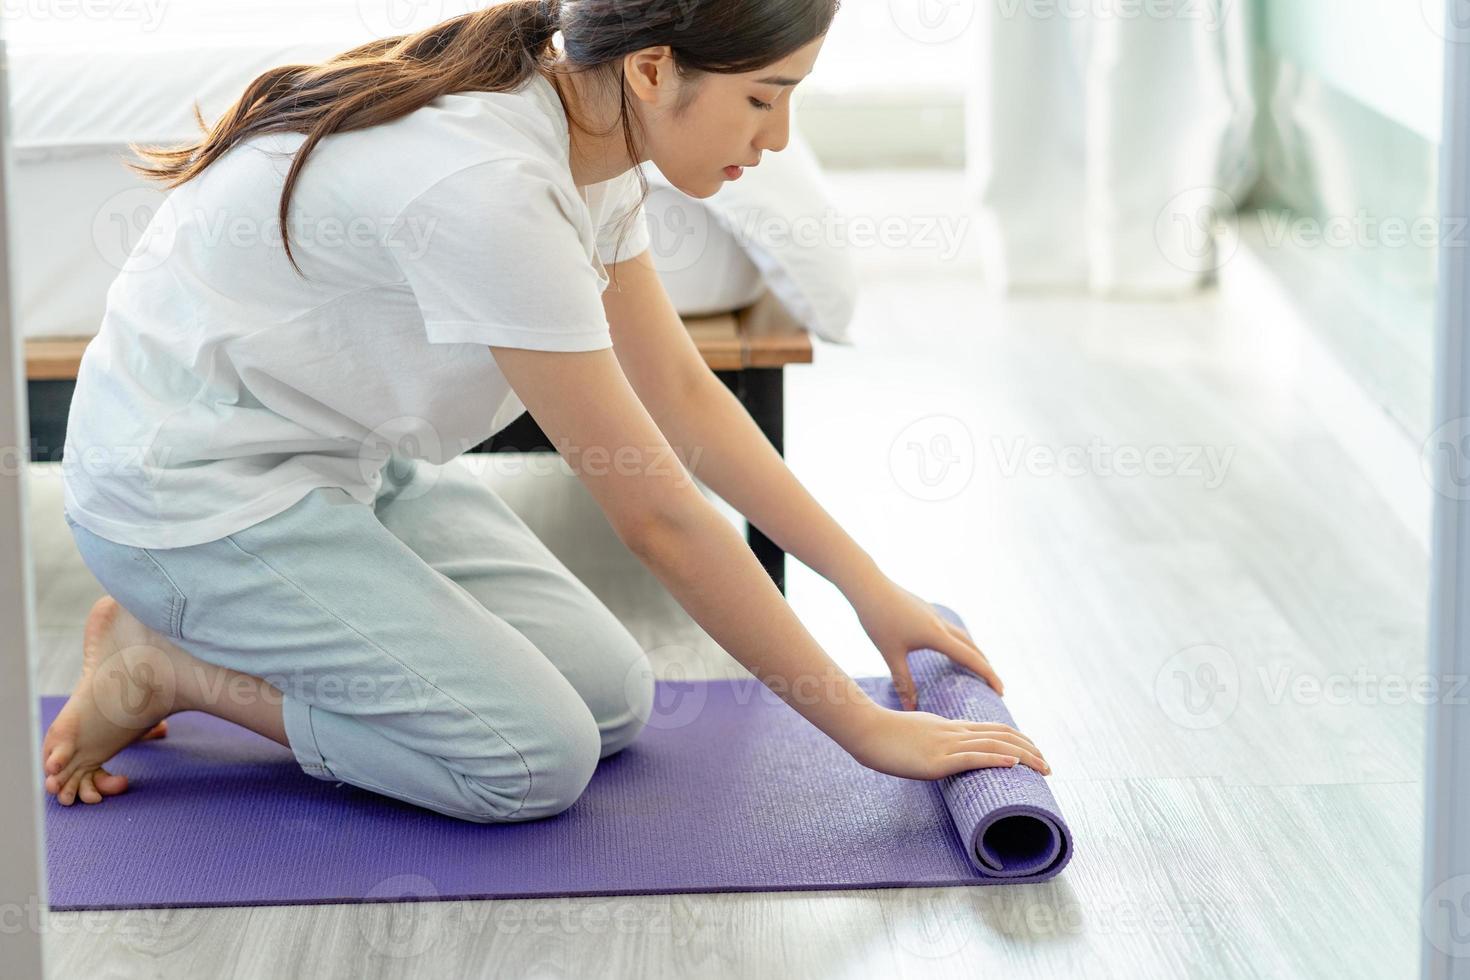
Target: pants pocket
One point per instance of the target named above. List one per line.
(135, 579)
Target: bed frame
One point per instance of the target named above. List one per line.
(748, 349)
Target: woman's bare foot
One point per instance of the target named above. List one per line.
(127, 688)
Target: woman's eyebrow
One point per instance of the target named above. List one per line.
(778, 80)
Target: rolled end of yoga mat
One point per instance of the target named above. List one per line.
(1006, 817)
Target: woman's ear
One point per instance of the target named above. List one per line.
(650, 74)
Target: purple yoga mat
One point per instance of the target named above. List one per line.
(726, 789)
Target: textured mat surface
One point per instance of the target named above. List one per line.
(726, 789)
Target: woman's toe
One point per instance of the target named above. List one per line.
(109, 783)
(157, 731)
(68, 794)
(57, 760)
(87, 791)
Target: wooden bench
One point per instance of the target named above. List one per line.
(747, 349)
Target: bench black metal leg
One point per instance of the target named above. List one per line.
(49, 403)
(762, 392)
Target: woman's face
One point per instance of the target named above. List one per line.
(729, 120)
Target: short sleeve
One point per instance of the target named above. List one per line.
(623, 232)
(496, 254)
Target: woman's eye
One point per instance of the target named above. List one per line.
(761, 105)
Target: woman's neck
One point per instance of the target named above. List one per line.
(600, 154)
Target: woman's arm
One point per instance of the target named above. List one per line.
(585, 405)
(715, 436)
(720, 443)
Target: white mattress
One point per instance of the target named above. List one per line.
(81, 89)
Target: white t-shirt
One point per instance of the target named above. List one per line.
(222, 387)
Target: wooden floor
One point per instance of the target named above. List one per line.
(1156, 633)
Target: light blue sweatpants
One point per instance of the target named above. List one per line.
(429, 647)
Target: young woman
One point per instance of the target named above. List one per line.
(366, 268)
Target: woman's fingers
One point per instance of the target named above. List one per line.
(1006, 743)
(965, 761)
(965, 651)
(1008, 747)
(1010, 734)
(963, 635)
(1011, 737)
(978, 727)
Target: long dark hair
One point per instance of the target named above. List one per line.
(492, 50)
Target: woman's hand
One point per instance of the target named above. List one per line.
(898, 621)
(923, 745)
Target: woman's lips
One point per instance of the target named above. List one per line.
(733, 173)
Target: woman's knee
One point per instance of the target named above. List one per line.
(555, 771)
(620, 722)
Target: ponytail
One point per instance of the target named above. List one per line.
(490, 50)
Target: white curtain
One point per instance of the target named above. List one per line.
(1106, 140)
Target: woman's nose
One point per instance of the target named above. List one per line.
(778, 133)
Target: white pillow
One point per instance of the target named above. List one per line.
(767, 229)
